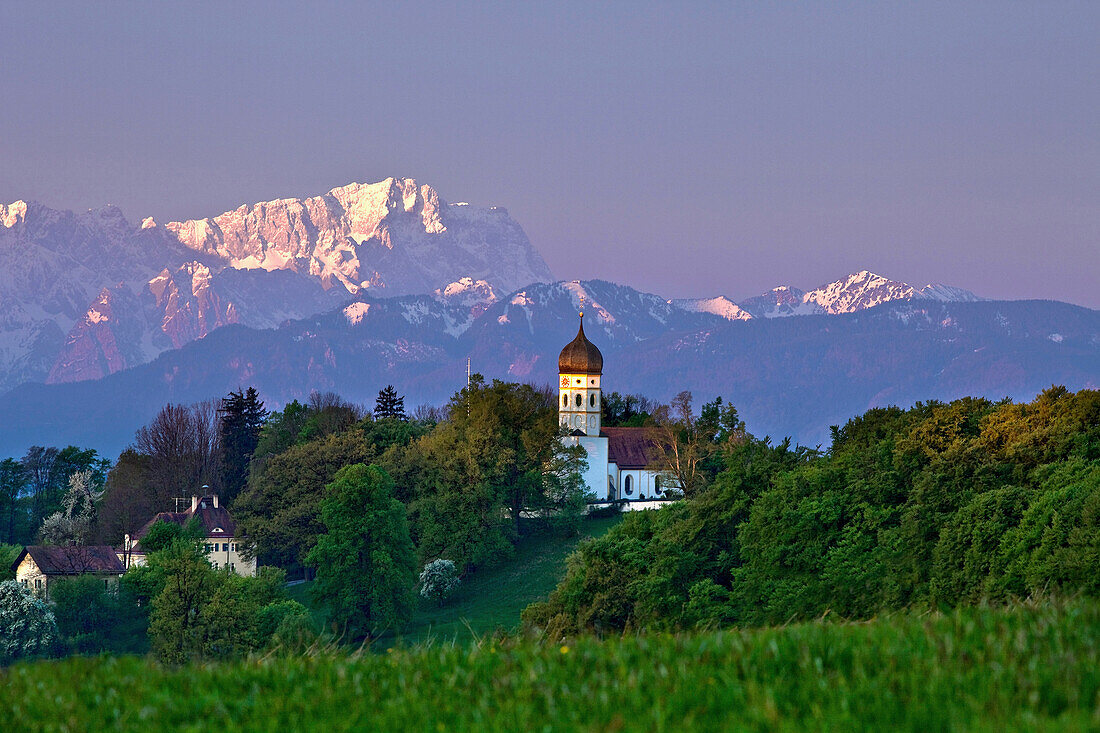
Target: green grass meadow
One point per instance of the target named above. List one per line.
(1028, 667)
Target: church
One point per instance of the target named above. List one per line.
(622, 462)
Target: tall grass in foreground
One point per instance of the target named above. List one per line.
(1033, 666)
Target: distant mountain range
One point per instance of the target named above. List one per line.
(102, 322)
(787, 376)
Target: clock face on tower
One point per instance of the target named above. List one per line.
(565, 381)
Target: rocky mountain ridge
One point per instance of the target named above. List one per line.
(85, 295)
(396, 236)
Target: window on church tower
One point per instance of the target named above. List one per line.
(579, 399)
(592, 400)
(565, 400)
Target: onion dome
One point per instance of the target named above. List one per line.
(580, 356)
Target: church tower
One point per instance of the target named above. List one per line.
(579, 401)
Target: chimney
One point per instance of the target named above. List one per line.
(194, 503)
(215, 501)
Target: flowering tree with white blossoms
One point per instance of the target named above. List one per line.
(438, 580)
(27, 625)
(73, 524)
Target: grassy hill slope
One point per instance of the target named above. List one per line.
(1031, 667)
(492, 598)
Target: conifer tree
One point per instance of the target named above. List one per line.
(242, 416)
(389, 404)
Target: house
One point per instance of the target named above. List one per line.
(223, 548)
(623, 463)
(39, 567)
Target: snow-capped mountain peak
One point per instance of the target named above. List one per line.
(947, 294)
(854, 292)
(719, 306)
(466, 292)
(863, 289)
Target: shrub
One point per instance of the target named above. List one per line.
(613, 509)
(272, 616)
(438, 579)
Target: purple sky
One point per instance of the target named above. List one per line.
(712, 148)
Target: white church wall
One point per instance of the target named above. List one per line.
(595, 476)
(643, 484)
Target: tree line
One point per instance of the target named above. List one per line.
(931, 507)
(358, 500)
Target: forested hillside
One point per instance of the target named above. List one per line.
(936, 506)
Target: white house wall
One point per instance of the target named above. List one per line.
(225, 553)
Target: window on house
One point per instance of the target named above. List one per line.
(225, 547)
(629, 485)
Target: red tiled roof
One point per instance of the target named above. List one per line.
(630, 447)
(73, 560)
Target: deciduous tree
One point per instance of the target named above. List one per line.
(28, 625)
(365, 560)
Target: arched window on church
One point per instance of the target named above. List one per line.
(580, 399)
(592, 400)
(610, 488)
(628, 485)
(657, 484)
(565, 400)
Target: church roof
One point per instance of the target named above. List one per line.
(580, 356)
(630, 447)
